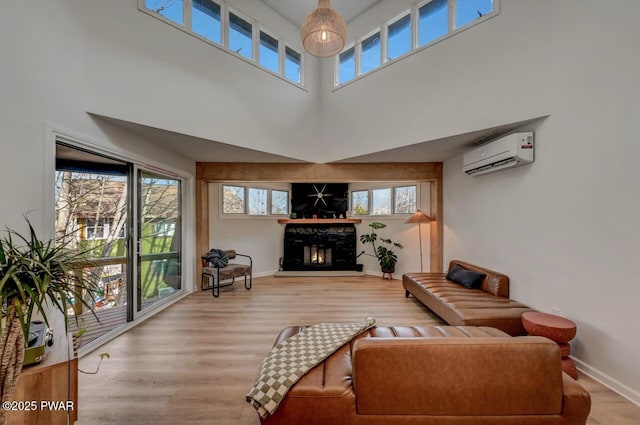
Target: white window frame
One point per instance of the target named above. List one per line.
(253, 185)
(284, 45)
(288, 192)
(244, 201)
(262, 29)
(415, 48)
(359, 52)
(337, 64)
(393, 197)
(390, 22)
(256, 27)
(222, 24)
(254, 41)
(352, 206)
(392, 186)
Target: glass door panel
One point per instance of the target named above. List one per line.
(159, 238)
(92, 216)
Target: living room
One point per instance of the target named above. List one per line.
(113, 79)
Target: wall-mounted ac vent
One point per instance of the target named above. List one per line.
(510, 151)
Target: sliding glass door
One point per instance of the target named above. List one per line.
(128, 221)
(92, 200)
(159, 243)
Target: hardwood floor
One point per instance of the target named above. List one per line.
(194, 362)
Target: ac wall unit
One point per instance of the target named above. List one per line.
(507, 152)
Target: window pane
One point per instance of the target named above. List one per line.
(370, 58)
(233, 200)
(347, 66)
(269, 56)
(381, 202)
(205, 19)
(170, 9)
(405, 200)
(292, 61)
(240, 38)
(257, 201)
(470, 10)
(279, 202)
(360, 202)
(433, 21)
(399, 40)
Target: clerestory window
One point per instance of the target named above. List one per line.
(215, 23)
(424, 24)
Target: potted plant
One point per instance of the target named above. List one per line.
(36, 277)
(382, 248)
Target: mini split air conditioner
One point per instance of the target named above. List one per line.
(510, 151)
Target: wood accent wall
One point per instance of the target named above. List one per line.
(214, 172)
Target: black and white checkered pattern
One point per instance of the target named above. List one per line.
(287, 362)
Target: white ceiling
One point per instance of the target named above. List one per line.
(296, 10)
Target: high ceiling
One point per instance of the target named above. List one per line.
(296, 10)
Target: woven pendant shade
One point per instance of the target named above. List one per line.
(323, 32)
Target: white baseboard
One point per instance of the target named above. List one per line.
(609, 382)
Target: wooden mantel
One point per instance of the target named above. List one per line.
(319, 220)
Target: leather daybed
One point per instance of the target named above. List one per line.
(488, 306)
(436, 375)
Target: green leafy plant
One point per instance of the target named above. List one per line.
(36, 277)
(382, 248)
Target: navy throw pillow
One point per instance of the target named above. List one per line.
(465, 277)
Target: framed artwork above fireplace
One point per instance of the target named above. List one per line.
(324, 200)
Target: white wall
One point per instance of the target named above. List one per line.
(260, 237)
(566, 229)
(173, 81)
(491, 74)
(44, 79)
(263, 237)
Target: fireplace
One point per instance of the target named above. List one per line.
(317, 254)
(319, 247)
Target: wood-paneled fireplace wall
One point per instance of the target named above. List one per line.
(215, 172)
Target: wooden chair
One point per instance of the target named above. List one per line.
(214, 275)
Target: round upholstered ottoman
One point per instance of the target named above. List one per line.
(556, 328)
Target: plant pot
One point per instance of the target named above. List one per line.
(388, 271)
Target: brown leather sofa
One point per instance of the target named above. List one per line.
(459, 306)
(436, 375)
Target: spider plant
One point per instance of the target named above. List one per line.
(37, 277)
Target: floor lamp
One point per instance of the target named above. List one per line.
(419, 217)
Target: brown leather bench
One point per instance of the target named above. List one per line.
(459, 306)
(435, 375)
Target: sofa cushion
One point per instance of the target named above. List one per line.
(467, 278)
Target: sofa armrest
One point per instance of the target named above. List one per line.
(576, 402)
(494, 283)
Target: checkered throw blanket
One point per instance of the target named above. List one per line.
(288, 361)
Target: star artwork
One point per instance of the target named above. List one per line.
(320, 195)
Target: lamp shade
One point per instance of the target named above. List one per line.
(323, 32)
(419, 217)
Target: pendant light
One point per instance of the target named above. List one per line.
(323, 32)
